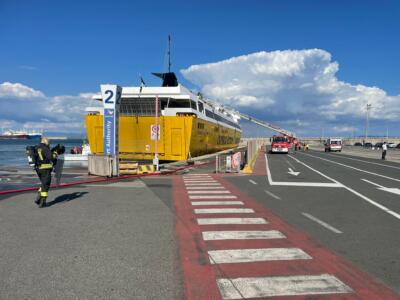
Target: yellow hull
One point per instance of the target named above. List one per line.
(179, 136)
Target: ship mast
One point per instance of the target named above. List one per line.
(169, 53)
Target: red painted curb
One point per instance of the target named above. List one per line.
(28, 189)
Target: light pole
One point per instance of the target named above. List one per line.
(367, 122)
(155, 160)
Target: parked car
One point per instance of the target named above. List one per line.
(391, 145)
(378, 145)
(368, 145)
(358, 144)
(398, 146)
(333, 144)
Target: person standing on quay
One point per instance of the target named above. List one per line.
(384, 149)
(45, 160)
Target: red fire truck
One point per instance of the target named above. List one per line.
(280, 144)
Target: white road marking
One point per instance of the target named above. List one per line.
(205, 187)
(255, 255)
(200, 181)
(217, 203)
(382, 188)
(290, 165)
(322, 223)
(209, 192)
(384, 208)
(252, 181)
(242, 235)
(288, 183)
(256, 287)
(354, 168)
(368, 162)
(291, 172)
(230, 221)
(200, 184)
(223, 211)
(197, 178)
(212, 197)
(197, 174)
(272, 195)
(373, 183)
(316, 171)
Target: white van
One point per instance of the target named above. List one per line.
(333, 144)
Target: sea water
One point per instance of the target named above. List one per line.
(12, 152)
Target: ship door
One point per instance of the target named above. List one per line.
(97, 141)
(176, 141)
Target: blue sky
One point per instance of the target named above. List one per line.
(66, 48)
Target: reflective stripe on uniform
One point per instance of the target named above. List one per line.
(45, 166)
(40, 154)
(43, 194)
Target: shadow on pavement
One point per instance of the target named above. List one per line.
(66, 198)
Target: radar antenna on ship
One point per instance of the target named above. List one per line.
(169, 78)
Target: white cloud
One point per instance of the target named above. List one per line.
(344, 128)
(34, 110)
(18, 90)
(291, 85)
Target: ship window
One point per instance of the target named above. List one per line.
(201, 107)
(140, 106)
(221, 119)
(209, 114)
(193, 104)
(178, 103)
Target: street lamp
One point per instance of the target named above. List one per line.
(367, 121)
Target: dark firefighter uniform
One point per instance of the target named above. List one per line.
(46, 159)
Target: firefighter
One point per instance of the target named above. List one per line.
(46, 159)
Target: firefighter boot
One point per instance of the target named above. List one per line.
(42, 202)
(37, 201)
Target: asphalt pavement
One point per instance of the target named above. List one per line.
(100, 241)
(358, 216)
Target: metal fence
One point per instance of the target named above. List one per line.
(230, 162)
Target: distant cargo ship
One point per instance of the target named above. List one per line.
(20, 135)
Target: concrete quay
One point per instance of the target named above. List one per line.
(309, 225)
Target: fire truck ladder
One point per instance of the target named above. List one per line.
(267, 125)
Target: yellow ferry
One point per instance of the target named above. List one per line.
(189, 125)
